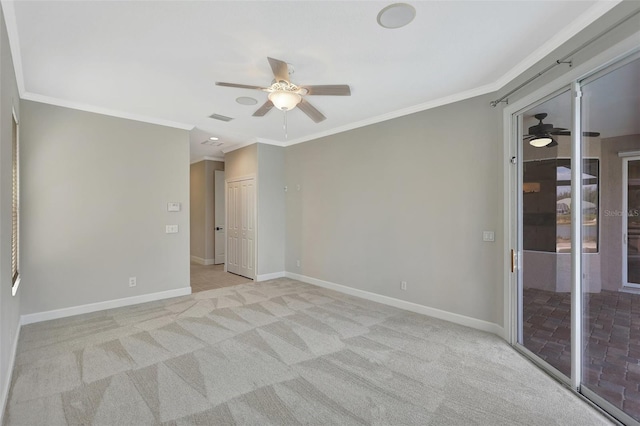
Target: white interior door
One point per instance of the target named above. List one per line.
(233, 228)
(241, 229)
(247, 227)
(219, 211)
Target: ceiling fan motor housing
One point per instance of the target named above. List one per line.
(540, 129)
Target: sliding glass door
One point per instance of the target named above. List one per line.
(579, 237)
(611, 263)
(546, 234)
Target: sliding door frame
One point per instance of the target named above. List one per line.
(518, 243)
(602, 63)
(625, 221)
(582, 72)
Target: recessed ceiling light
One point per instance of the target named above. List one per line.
(213, 138)
(245, 100)
(396, 15)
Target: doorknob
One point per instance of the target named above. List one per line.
(218, 228)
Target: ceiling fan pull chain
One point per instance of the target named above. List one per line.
(284, 125)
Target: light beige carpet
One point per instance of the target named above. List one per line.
(208, 277)
(282, 353)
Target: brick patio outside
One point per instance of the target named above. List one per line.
(611, 338)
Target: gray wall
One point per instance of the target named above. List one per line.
(94, 207)
(202, 202)
(197, 210)
(241, 162)
(271, 209)
(403, 200)
(9, 305)
(266, 162)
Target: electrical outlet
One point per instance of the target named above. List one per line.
(403, 285)
(132, 281)
(298, 263)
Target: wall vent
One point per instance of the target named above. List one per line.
(212, 143)
(220, 117)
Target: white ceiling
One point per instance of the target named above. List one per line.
(157, 61)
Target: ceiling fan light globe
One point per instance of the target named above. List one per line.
(284, 100)
(541, 141)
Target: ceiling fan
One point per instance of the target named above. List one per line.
(285, 95)
(541, 135)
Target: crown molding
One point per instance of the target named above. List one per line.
(271, 142)
(565, 34)
(9, 13)
(239, 145)
(206, 157)
(483, 90)
(213, 158)
(104, 111)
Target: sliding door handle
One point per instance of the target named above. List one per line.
(513, 260)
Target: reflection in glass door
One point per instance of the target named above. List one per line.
(545, 276)
(610, 122)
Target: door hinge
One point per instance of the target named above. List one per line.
(513, 160)
(514, 259)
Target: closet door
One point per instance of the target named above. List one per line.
(241, 227)
(247, 234)
(233, 228)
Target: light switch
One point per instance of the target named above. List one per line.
(171, 229)
(173, 207)
(488, 236)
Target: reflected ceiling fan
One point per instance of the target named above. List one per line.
(285, 95)
(541, 135)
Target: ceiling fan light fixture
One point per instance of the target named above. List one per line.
(285, 100)
(541, 141)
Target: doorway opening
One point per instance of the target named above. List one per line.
(208, 228)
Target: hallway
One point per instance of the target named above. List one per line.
(213, 276)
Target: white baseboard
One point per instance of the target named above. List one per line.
(201, 261)
(6, 386)
(100, 306)
(403, 304)
(271, 276)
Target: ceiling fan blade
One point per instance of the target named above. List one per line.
(241, 86)
(280, 69)
(311, 111)
(265, 108)
(568, 133)
(329, 90)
